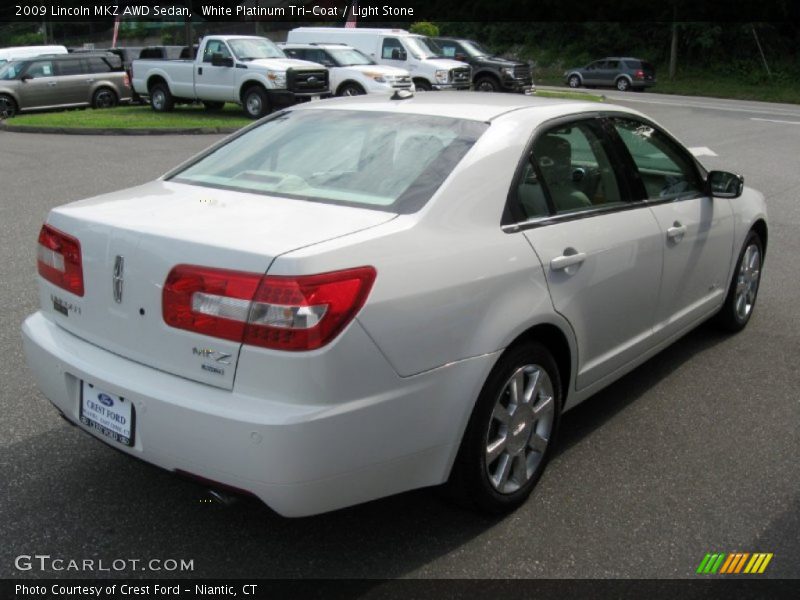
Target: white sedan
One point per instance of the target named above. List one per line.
(358, 297)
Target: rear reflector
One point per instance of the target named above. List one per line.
(58, 259)
(283, 313)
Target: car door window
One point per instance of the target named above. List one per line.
(215, 47)
(666, 170)
(612, 64)
(568, 170)
(70, 67)
(40, 68)
(392, 49)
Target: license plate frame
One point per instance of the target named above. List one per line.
(102, 414)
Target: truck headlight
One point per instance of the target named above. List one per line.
(279, 79)
(508, 71)
(441, 76)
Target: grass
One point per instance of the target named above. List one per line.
(703, 84)
(135, 117)
(570, 95)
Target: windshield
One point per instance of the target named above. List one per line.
(254, 48)
(423, 47)
(10, 70)
(347, 57)
(384, 161)
(474, 49)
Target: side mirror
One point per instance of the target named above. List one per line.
(217, 60)
(25, 78)
(461, 57)
(722, 184)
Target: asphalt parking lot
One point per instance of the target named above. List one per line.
(696, 451)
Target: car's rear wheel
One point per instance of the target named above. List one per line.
(104, 98)
(622, 84)
(743, 289)
(8, 107)
(161, 99)
(255, 102)
(574, 81)
(211, 105)
(350, 89)
(486, 84)
(511, 432)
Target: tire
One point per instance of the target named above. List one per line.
(507, 444)
(622, 84)
(574, 81)
(486, 84)
(350, 88)
(8, 106)
(104, 98)
(210, 105)
(422, 85)
(255, 102)
(161, 99)
(743, 289)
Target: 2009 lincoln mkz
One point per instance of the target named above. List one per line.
(352, 298)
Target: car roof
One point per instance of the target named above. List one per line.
(473, 106)
(311, 45)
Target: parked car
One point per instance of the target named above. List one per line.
(367, 295)
(490, 73)
(22, 52)
(248, 70)
(622, 73)
(63, 81)
(396, 48)
(352, 73)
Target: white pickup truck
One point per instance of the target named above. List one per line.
(250, 71)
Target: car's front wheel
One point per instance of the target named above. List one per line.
(351, 88)
(256, 103)
(574, 81)
(511, 432)
(743, 289)
(487, 84)
(8, 108)
(422, 85)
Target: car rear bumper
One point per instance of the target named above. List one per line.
(298, 457)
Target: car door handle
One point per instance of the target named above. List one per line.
(567, 260)
(199, 70)
(52, 83)
(676, 232)
(90, 81)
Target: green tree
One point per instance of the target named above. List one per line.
(424, 28)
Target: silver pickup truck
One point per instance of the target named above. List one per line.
(250, 71)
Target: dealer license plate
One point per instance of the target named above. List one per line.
(108, 414)
(314, 98)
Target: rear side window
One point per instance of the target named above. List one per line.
(98, 65)
(70, 67)
(665, 169)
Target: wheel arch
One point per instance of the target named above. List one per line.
(154, 80)
(247, 84)
(349, 81)
(760, 227)
(560, 345)
(576, 74)
(486, 73)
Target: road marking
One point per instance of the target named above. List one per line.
(702, 151)
(775, 121)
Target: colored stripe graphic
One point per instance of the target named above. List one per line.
(734, 563)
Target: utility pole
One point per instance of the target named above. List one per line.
(673, 47)
(763, 58)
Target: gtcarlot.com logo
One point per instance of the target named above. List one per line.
(734, 563)
(45, 562)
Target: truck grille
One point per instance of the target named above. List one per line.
(402, 83)
(522, 72)
(307, 81)
(461, 75)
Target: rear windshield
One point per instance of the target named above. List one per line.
(384, 161)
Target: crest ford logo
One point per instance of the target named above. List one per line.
(734, 563)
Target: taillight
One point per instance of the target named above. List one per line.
(126, 81)
(639, 75)
(284, 313)
(58, 259)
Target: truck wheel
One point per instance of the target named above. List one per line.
(350, 88)
(104, 98)
(8, 108)
(160, 98)
(256, 103)
(211, 105)
(486, 84)
(422, 85)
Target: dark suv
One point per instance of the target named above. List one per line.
(489, 73)
(624, 73)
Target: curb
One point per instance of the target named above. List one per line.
(107, 131)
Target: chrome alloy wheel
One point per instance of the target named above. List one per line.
(747, 281)
(253, 104)
(159, 99)
(520, 428)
